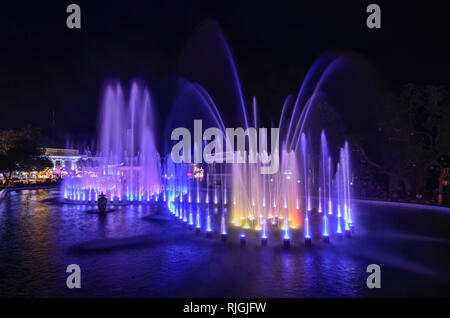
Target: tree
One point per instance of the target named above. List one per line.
(412, 141)
(382, 146)
(21, 151)
(428, 111)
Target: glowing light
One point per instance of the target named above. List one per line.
(264, 230)
(208, 223)
(223, 229)
(320, 201)
(350, 222)
(307, 233)
(197, 220)
(242, 239)
(325, 225)
(339, 230)
(191, 218)
(286, 235)
(347, 228)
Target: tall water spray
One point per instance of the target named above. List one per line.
(128, 165)
(272, 198)
(325, 183)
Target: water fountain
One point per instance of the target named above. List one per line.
(309, 193)
(127, 167)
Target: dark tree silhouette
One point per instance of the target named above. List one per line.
(413, 138)
(22, 151)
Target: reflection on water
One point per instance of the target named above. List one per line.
(139, 251)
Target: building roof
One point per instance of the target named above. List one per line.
(61, 152)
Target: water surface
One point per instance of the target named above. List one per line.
(141, 251)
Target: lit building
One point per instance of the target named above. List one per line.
(64, 158)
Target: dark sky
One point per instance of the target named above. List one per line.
(46, 68)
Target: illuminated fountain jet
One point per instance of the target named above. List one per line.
(128, 166)
(287, 201)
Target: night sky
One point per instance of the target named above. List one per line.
(48, 69)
